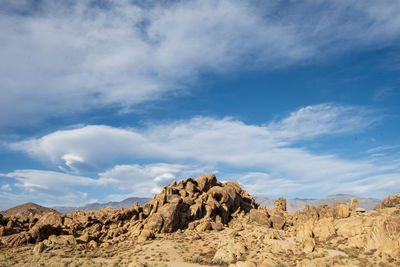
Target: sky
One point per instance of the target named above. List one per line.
(104, 100)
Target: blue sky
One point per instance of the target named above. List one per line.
(102, 100)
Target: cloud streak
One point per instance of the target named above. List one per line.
(275, 152)
(61, 58)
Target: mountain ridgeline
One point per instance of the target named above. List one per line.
(126, 203)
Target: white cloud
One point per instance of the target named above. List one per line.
(117, 183)
(382, 148)
(63, 58)
(147, 179)
(263, 184)
(212, 141)
(6, 187)
(323, 119)
(49, 187)
(279, 165)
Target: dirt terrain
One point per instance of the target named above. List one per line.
(203, 222)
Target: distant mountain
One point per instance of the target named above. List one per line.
(126, 203)
(298, 203)
(23, 211)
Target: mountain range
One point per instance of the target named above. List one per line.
(126, 203)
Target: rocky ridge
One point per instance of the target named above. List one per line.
(227, 219)
(296, 204)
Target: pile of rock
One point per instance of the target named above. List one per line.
(202, 204)
(350, 227)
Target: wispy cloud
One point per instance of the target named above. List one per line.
(226, 141)
(66, 57)
(275, 152)
(382, 148)
(48, 187)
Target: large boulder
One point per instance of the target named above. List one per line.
(206, 181)
(260, 217)
(52, 218)
(41, 232)
(280, 204)
(18, 239)
(173, 215)
(230, 252)
(324, 229)
(341, 210)
(389, 201)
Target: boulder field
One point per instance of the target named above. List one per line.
(220, 224)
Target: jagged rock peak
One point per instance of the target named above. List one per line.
(192, 202)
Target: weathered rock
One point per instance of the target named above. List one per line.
(206, 181)
(360, 210)
(388, 202)
(278, 222)
(53, 219)
(63, 240)
(307, 214)
(192, 207)
(172, 216)
(354, 204)
(40, 232)
(18, 239)
(2, 231)
(308, 245)
(154, 223)
(304, 231)
(341, 210)
(204, 226)
(38, 248)
(280, 204)
(145, 235)
(325, 211)
(324, 229)
(217, 226)
(93, 244)
(260, 217)
(85, 238)
(178, 205)
(230, 252)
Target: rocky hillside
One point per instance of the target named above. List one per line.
(24, 210)
(295, 204)
(204, 220)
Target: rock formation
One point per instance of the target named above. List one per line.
(226, 217)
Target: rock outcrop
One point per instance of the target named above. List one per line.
(202, 208)
(389, 202)
(202, 203)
